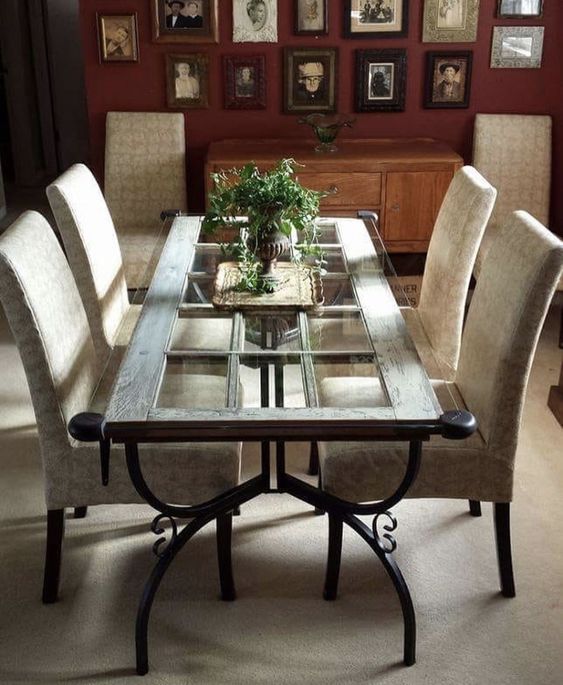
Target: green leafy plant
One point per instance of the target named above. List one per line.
(259, 204)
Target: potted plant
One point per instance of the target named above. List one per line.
(270, 209)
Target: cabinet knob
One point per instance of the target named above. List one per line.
(333, 189)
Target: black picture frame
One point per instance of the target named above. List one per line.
(301, 64)
(298, 6)
(356, 26)
(503, 14)
(457, 96)
(387, 92)
(239, 94)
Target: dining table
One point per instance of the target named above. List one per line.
(273, 361)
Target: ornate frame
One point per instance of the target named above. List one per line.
(160, 34)
(454, 56)
(351, 32)
(431, 33)
(202, 62)
(131, 19)
(534, 62)
(396, 100)
(329, 57)
(302, 32)
(230, 65)
(504, 15)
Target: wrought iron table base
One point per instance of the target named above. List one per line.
(221, 509)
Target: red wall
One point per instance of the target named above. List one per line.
(142, 87)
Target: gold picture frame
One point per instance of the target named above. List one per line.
(196, 21)
(118, 37)
(450, 21)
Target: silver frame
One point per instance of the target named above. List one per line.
(533, 62)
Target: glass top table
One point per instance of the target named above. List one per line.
(346, 370)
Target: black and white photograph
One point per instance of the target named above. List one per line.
(255, 21)
(381, 18)
(448, 79)
(185, 21)
(450, 21)
(380, 80)
(310, 79)
(186, 81)
(519, 9)
(311, 17)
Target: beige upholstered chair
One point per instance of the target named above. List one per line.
(507, 311)
(435, 325)
(145, 174)
(94, 256)
(513, 152)
(47, 318)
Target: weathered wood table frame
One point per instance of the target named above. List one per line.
(413, 415)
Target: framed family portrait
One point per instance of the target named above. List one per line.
(448, 79)
(375, 18)
(450, 21)
(118, 37)
(517, 47)
(185, 21)
(245, 82)
(381, 77)
(310, 79)
(311, 17)
(187, 81)
(519, 9)
(255, 21)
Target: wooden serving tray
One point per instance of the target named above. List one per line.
(300, 288)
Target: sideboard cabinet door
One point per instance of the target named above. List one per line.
(412, 202)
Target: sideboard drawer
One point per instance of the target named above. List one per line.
(354, 189)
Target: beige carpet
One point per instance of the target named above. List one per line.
(280, 630)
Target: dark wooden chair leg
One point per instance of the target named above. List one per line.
(53, 552)
(474, 507)
(504, 551)
(80, 512)
(335, 526)
(314, 459)
(224, 540)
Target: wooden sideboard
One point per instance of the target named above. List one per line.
(403, 180)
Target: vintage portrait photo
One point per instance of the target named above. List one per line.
(450, 21)
(382, 18)
(448, 79)
(186, 81)
(118, 37)
(310, 79)
(380, 80)
(517, 47)
(519, 9)
(311, 17)
(245, 82)
(255, 21)
(185, 21)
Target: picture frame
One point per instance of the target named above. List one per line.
(118, 37)
(185, 21)
(448, 79)
(450, 21)
(310, 79)
(376, 18)
(187, 81)
(245, 81)
(255, 21)
(381, 77)
(517, 47)
(310, 17)
(519, 9)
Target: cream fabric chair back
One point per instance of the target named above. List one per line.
(515, 287)
(93, 252)
(49, 324)
(144, 166)
(513, 152)
(456, 237)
